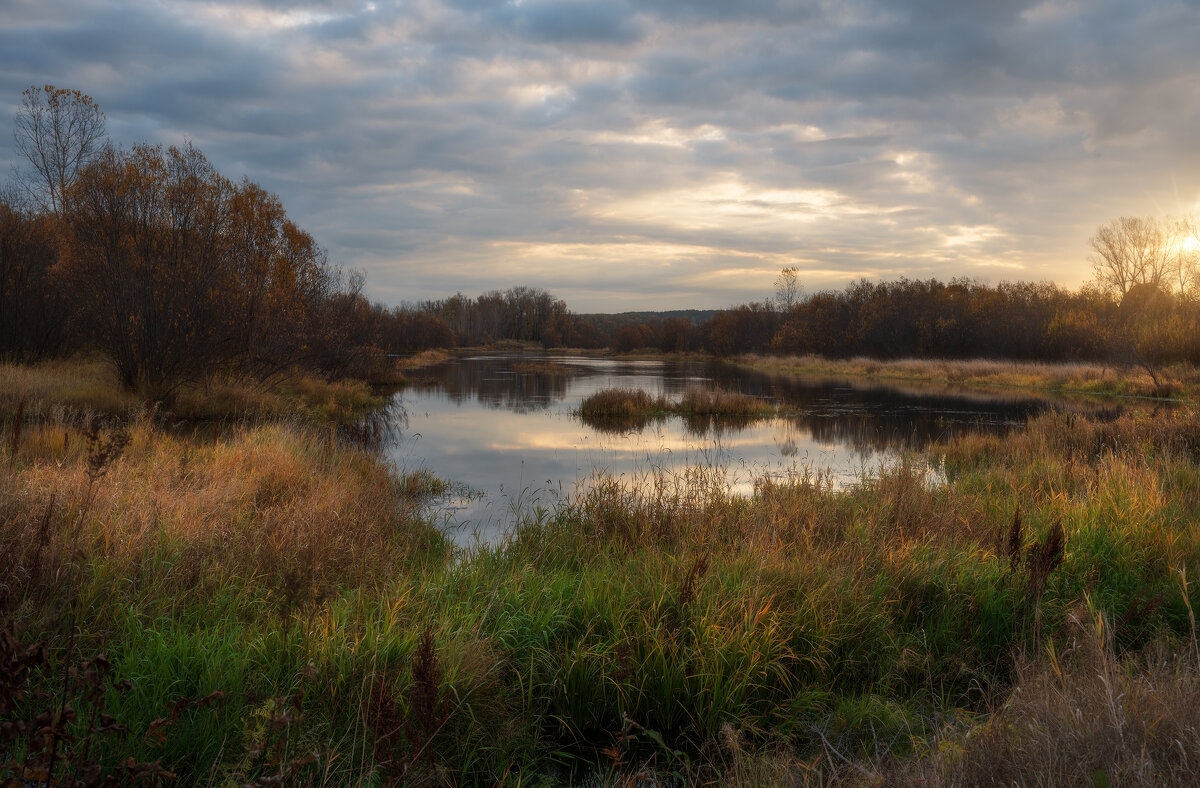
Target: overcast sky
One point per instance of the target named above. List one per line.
(654, 155)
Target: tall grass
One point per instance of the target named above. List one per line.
(802, 633)
(626, 408)
(1080, 715)
(91, 386)
(622, 403)
(1067, 376)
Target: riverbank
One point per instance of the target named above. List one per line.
(283, 609)
(1178, 381)
(90, 386)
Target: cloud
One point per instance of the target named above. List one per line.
(665, 153)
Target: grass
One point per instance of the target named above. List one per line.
(932, 622)
(630, 408)
(85, 386)
(423, 359)
(1081, 716)
(545, 367)
(1179, 381)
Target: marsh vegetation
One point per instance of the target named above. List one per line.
(280, 603)
(220, 567)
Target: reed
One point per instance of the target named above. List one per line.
(716, 402)
(621, 403)
(699, 407)
(1177, 381)
(1079, 715)
(85, 386)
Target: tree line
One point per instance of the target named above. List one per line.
(151, 257)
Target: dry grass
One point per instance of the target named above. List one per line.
(80, 384)
(622, 403)
(710, 402)
(1080, 377)
(272, 500)
(423, 359)
(542, 367)
(633, 408)
(90, 386)
(1082, 716)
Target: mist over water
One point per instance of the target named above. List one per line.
(503, 428)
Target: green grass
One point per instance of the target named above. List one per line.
(672, 625)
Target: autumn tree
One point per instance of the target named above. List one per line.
(146, 255)
(281, 284)
(59, 132)
(179, 274)
(34, 313)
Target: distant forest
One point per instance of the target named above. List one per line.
(175, 273)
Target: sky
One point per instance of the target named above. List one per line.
(661, 154)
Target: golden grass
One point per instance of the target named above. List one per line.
(542, 367)
(696, 402)
(1070, 376)
(270, 500)
(423, 359)
(621, 403)
(81, 384)
(715, 402)
(90, 386)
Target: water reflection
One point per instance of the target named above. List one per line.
(505, 425)
(518, 383)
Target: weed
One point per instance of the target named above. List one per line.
(51, 721)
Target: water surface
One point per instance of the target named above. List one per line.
(503, 428)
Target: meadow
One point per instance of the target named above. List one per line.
(269, 603)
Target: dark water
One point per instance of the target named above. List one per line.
(503, 427)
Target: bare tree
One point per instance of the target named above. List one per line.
(787, 288)
(1130, 251)
(1185, 262)
(59, 132)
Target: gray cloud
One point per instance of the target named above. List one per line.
(665, 153)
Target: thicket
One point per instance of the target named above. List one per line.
(171, 271)
(960, 319)
(523, 314)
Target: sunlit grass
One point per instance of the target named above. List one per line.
(1075, 377)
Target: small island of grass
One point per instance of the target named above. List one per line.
(629, 403)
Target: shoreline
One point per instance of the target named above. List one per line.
(1064, 378)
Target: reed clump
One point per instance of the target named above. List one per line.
(717, 402)
(701, 408)
(622, 403)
